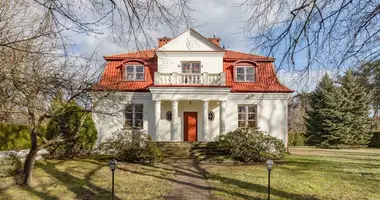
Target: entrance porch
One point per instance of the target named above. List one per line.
(189, 114)
(189, 120)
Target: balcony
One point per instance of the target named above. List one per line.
(190, 79)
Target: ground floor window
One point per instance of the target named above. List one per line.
(247, 116)
(134, 116)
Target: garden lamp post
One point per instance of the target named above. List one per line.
(113, 164)
(270, 165)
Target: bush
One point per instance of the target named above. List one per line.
(132, 146)
(375, 140)
(11, 166)
(296, 138)
(14, 137)
(249, 145)
(76, 142)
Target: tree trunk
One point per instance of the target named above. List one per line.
(375, 113)
(29, 160)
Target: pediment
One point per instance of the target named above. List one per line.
(190, 40)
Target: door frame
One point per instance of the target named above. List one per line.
(183, 124)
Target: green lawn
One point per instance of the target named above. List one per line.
(308, 174)
(89, 179)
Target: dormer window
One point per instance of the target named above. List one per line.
(244, 74)
(135, 72)
(191, 67)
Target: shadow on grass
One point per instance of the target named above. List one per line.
(83, 188)
(252, 186)
(42, 194)
(202, 174)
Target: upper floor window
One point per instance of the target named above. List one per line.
(134, 116)
(135, 72)
(191, 67)
(244, 73)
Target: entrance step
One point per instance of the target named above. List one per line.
(187, 149)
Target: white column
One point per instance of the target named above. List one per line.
(205, 121)
(174, 124)
(157, 115)
(222, 117)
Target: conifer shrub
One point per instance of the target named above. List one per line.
(14, 137)
(75, 128)
(375, 140)
(249, 145)
(131, 146)
(296, 138)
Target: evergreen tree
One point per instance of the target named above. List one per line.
(57, 102)
(73, 125)
(356, 111)
(325, 121)
(369, 75)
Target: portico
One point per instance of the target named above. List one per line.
(189, 113)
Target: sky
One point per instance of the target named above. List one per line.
(222, 18)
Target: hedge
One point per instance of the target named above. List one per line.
(14, 137)
(375, 140)
(296, 138)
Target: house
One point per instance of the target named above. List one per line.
(190, 89)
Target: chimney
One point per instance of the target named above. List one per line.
(215, 40)
(163, 41)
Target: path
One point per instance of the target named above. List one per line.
(189, 182)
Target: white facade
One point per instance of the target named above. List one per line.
(271, 108)
(271, 114)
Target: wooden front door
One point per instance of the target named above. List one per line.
(190, 126)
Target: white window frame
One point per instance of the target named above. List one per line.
(246, 115)
(245, 73)
(133, 119)
(134, 76)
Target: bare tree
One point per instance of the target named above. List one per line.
(298, 107)
(35, 63)
(321, 33)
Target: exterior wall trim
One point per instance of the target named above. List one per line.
(259, 96)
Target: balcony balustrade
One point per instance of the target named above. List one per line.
(190, 78)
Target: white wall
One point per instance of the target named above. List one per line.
(169, 62)
(272, 114)
(109, 115)
(190, 46)
(189, 41)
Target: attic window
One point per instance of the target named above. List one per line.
(244, 73)
(135, 72)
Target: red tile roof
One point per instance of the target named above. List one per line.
(113, 75)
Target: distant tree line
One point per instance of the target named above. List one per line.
(339, 113)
